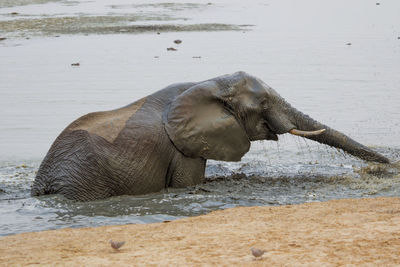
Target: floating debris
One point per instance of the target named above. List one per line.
(2, 38)
(156, 57)
(196, 57)
(77, 64)
(348, 44)
(14, 13)
(178, 41)
(171, 49)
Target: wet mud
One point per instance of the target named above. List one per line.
(166, 6)
(95, 25)
(12, 3)
(123, 18)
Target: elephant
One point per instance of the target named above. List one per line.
(164, 140)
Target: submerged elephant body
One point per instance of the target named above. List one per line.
(164, 140)
(87, 163)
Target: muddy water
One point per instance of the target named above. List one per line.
(338, 62)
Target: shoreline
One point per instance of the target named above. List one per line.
(336, 232)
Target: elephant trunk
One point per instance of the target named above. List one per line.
(335, 138)
(293, 121)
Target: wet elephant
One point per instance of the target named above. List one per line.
(164, 139)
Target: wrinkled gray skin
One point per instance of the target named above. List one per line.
(165, 139)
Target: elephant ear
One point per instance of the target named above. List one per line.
(200, 125)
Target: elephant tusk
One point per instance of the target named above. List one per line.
(306, 133)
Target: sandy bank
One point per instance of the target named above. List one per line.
(353, 231)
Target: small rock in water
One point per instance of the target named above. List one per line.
(178, 41)
(156, 56)
(378, 4)
(2, 38)
(77, 64)
(398, 38)
(171, 49)
(311, 195)
(14, 13)
(348, 44)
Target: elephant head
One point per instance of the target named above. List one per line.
(217, 119)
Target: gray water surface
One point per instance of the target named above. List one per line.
(337, 61)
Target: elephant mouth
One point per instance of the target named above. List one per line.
(270, 134)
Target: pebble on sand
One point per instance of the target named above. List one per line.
(257, 252)
(116, 244)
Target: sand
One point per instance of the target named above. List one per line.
(352, 232)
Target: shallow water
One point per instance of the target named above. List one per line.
(297, 47)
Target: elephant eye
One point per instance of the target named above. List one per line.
(264, 104)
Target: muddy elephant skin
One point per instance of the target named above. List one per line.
(164, 139)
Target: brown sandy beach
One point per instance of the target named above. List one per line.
(351, 231)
